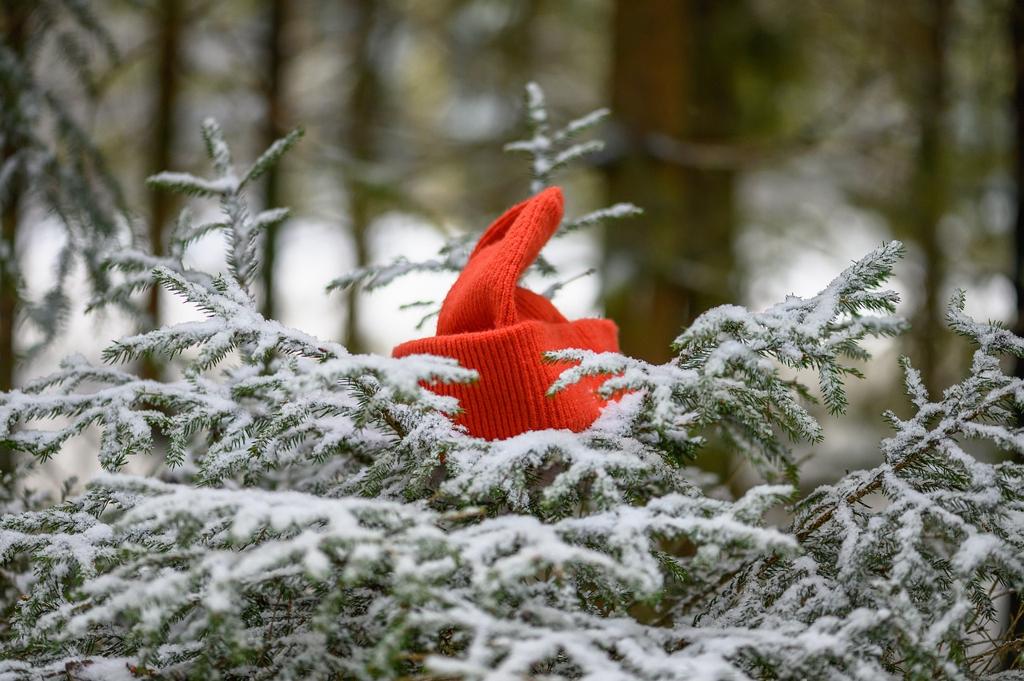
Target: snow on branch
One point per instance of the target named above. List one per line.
(726, 372)
(294, 398)
(181, 564)
(929, 542)
(319, 514)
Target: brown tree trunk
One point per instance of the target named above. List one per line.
(1016, 611)
(929, 187)
(359, 141)
(669, 82)
(276, 52)
(15, 27)
(168, 27)
(673, 79)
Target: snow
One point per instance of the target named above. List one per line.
(195, 184)
(325, 517)
(976, 549)
(239, 541)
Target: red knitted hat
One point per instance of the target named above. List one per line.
(501, 330)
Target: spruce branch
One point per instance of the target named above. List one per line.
(320, 515)
(734, 354)
(550, 153)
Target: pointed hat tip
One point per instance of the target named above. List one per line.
(552, 194)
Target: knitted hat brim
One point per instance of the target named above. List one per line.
(511, 395)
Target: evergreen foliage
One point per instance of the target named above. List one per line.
(47, 160)
(320, 516)
(549, 153)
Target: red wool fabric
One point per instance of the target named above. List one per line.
(501, 330)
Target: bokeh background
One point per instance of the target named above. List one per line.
(770, 142)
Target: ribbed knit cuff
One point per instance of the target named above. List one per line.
(510, 396)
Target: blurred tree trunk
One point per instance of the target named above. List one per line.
(674, 69)
(1016, 611)
(359, 141)
(929, 188)
(15, 27)
(275, 52)
(670, 82)
(167, 26)
(1017, 41)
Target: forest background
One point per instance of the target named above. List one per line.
(769, 143)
